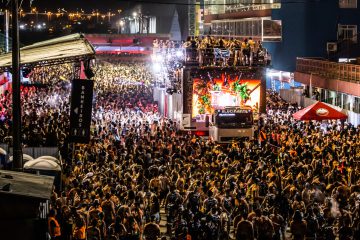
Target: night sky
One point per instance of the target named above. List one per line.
(88, 5)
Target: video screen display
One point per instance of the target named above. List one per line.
(210, 95)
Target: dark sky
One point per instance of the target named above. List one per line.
(88, 5)
(150, 8)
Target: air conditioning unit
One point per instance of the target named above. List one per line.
(331, 46)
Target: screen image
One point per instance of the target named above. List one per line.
(213, 94)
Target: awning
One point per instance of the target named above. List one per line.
(70, 48)
(319, 111)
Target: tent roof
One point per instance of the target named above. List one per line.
(26, 185)
(70, 48)
(319, 111)
(42, 164)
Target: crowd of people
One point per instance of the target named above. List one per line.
(45, 117)
(45, 101)
(299, 179)
(226, 52)
(113, 75)
(50, 74)
(212, 51)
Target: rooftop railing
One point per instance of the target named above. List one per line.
(332, 70)
(213, 56)
(224, 57)
(254, 7)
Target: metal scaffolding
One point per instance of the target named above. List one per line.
(192, 17)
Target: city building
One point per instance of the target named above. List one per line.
(155, 19)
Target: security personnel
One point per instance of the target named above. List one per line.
(53, 225)
(79, 233)
(262, 137)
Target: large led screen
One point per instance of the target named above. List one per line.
(218, 93)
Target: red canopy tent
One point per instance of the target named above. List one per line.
(319, 111)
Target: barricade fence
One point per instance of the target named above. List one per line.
(34, 152)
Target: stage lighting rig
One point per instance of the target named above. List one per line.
(89, 73)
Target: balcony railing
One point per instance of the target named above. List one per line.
(332, 70)
(225, 57)
(254, 7)
(213, 56)
(239, 6)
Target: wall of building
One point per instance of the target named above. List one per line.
(351, 88)
(307, 26)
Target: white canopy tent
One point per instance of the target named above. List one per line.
(26, 158)
(2, 151)
(51, 158)
(42, 164)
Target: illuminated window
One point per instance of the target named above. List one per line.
(356, 106)
(265, 29)
(347, 32)
(348, 3)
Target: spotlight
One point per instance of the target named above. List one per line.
(157, 58)
(157, 67)
(179, 53)
(178, 65)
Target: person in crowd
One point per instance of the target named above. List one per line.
(298, 226)
(53, 225)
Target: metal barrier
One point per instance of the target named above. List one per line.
(223, 57)
(44, 209)
(341, 71)
(34, 152)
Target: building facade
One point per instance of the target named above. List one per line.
(289, 28)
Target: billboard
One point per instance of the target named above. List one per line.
(80, 110)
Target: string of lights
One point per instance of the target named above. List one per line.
(63, 12)
(186, 3)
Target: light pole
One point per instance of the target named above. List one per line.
(7, 18)
(16, 105)
(135, 23)
(120, 26)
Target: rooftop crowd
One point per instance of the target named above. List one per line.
(299, 179)
(212, 51)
